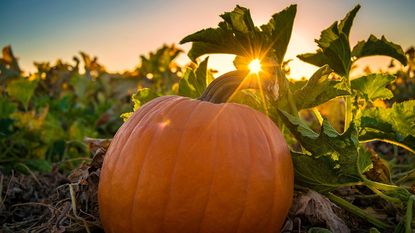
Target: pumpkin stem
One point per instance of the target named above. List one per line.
(223, 87)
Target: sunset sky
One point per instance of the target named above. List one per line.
(119, 31)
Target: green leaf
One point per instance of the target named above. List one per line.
(238, 35)
(373, 86)
(40, 165)
(317, 58)
(364, 160)
(6, 107)
(80, 84)
(239, 19)
(195, 82)
(332, 159)
(219, 40)
(22, 89)
(143, 96)
(51, 129)
(400, 117)
(318, 173)
(394, 124)
(334, 51)
(374, 46)
(78, 131)
(320, 89)
(279, 29)
(346, 24)
(334, 46)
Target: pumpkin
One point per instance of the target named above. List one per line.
(184, 165)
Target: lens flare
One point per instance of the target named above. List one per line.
(255, 66)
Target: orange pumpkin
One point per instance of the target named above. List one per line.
(183, 165)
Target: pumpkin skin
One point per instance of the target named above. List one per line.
(183, 165)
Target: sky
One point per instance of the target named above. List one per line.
(117, 32)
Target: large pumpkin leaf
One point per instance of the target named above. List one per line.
(346, 23)
(318, 58)
(318, 173)
(334, 51)
(328, 143)
(279, 29)
(334, 48)
(331, 158)
(375, 46)
(320, 89)
(395, 124)
(373, 86)
(238, 35)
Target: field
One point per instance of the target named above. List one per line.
(351, 140)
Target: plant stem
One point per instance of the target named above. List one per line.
(348, 106)
(356, 211)
(348, 111)
(222, 88)
(391, 142)
(317, 115)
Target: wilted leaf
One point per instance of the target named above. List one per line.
(319, 210)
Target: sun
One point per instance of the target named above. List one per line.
(255, 66)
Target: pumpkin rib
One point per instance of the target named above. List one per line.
(214, 169)
(248, 179)
(280, 159)
(263, 130)
(168, 110)
(187, 122)
(257, 163)
(153, 108)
